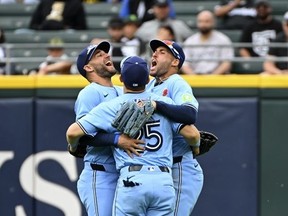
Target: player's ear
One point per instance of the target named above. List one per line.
(121, 79)
(175, 63)
(88, 68)
(148, 80)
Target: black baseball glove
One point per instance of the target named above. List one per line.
(81, 147)
(207, 141)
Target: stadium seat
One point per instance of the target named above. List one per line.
(193, 7)
(84, 36)
(101, 9)
(190, 20)
(14, 22)
(247, 67)
(234, 35)
(17, 9)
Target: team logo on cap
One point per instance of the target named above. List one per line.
(89, 48)
(173, 50)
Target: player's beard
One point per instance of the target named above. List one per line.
(105, 71)
(161, 70)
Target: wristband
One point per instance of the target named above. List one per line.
(198, 143)
(116, 138)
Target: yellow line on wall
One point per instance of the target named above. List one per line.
(12, 82)
(196, 81)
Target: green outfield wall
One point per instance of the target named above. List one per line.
(245, 173)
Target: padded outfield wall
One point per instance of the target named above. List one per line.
(245, 173)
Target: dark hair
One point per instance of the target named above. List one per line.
(168, 28)
(115, 22)
(2, 36)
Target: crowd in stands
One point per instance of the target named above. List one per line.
(208, 50)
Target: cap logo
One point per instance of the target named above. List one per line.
(173, 50)
(89, 48)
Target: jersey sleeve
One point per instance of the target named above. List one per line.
(99, 118)
(182, 94)
(86, 101)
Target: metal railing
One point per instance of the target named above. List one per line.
(9, 60)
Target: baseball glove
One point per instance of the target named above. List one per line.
(132, 116)
(81, 147)
(207, 141)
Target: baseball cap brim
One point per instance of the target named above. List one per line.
(154, 44)
(104, 45)
(173, 47)
(86, 55)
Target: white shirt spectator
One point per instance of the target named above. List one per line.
(200, 58)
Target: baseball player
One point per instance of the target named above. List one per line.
(97, 182)
(145, 185)
(167, 59)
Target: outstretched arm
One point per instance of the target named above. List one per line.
(122, 141)
(73, 134)
(185, 114)
(192, 136)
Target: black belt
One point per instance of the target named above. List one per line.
(139, 167)
(98, 167)
(177, 159)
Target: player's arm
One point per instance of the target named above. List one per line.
(185, 114)
(73, 134)
(192, 136)
(113, 139)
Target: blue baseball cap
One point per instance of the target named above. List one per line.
(87, 53)
(134, 71)
(174, 47)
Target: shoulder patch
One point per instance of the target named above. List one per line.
(187, 97)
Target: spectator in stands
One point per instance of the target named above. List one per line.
(143, 9)
(2, 53)
(260, 32)
(271, 65)
(57, 62)
(97, 1)
(235, 14)
(19, 1)
(161, 9)
(116, 33)
(132, 45)
(165, 32)
(59, 15)
(216, 45)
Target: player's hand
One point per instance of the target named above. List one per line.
(71, 148)
(195, 150)
(130, 145)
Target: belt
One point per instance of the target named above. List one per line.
(177, 159)
(98, 167)
(139, 167)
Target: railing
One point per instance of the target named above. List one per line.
(75, 48)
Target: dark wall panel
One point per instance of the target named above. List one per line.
(230, 168)
(57, 171)
(16, 144)
(274, 157)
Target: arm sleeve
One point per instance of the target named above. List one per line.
(124, 10)
(185, 114)
(100, 139)
(36, 18)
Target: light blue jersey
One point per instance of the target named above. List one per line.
(88, 98)
(96, 187)
(176, 88)
(157, 132)
(187, 173)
